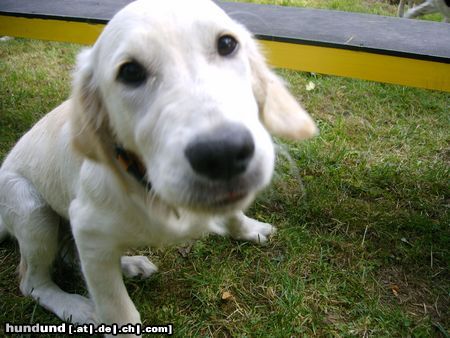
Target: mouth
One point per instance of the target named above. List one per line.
(222, 196)
(225, 204)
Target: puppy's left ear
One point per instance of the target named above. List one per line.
(279, 111)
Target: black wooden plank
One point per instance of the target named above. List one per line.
(356, 31)
(372, 33)
(98, 11)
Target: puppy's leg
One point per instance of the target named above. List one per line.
(102, 271)
(242, 227)
(425, 8)
(134, 266)
(100, 257)
(35, 226)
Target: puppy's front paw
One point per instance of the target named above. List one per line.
(258, 232)
(134, 266)
(246, 228)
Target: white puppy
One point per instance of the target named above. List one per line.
(165, 137)
(427, 7)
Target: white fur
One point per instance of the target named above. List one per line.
(426, 7)
(64, 167)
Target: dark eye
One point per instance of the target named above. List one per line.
(132, 73)
(226, 45)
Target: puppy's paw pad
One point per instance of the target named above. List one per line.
(137, 266)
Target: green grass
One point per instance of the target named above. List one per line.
(359, 6)
(363, 240)
(373, 7)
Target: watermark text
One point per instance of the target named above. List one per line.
(88, 329)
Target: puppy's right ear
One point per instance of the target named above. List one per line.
(91, 134)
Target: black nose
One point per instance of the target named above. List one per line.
(222, 153)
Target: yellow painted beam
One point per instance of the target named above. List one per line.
(360, 65)
(47, 29)
(325, 60)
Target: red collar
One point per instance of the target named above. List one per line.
(132, 165)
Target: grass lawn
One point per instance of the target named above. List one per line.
(363, 241)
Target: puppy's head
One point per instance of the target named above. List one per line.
(185, 88)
